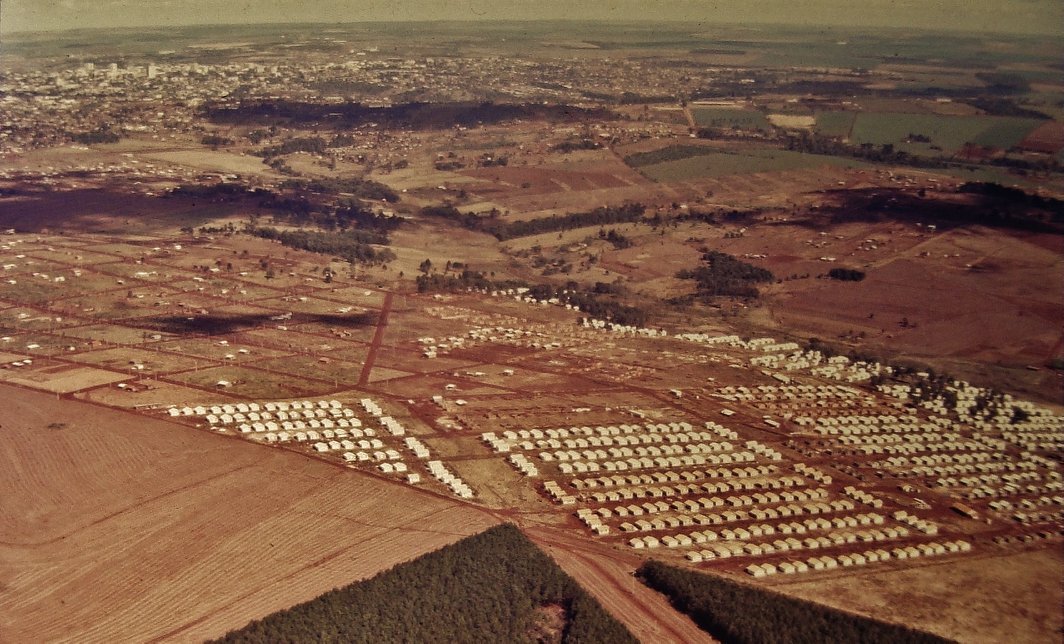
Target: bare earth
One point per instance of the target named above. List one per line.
(608, 577)
(100, 507)
(987, 599)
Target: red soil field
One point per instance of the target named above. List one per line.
(1048, 138)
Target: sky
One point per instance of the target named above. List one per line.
(1007, 16)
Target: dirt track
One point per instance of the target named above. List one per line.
(608, 577)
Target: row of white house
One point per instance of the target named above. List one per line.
(850, 559)
(673, 476)
(244, 408)
(683, 489)
(450, 479)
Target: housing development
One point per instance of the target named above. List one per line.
(282, 307)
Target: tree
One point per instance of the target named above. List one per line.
(425, 266)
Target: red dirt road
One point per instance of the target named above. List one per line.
(607, 576)
(378, 337)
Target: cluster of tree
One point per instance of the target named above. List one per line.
(668, 153)
(491, 587)
(228, 229)
(632, 98)
(354, 186)
(354, 246)
(736, 612)
(312, 144)
(449, 165)
(503, 230)
(574, 144)
(344, 86)
(990, 205)
(723, 274)
(811, 143)
(488, 160)
(342, 140)
(1001, 106)
(100, 135)
(461, 282)
(626, 213)
(599, 302)
(710, 217)
(999, 82)
(353, 214)
(280, 165)
(846, 274)
(217, 192)
(215, 140)
(414, 115)
(997, 194)
(618, 240)
(260, 135)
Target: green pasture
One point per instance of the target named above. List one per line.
(726, 117)
(721, 164)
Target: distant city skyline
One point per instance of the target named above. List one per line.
(1036, 17)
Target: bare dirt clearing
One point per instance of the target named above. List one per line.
(951, 598)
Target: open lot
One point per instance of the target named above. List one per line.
(919, 597)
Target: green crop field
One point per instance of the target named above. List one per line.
(1007, 132)
(834, 123)
(729, 118)
(950, 133)
(722, 164)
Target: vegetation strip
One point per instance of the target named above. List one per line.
(740, 613)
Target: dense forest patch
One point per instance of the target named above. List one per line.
(504, 230)
(492, 587)
(734, 612)
(405, 115)
(722, 274)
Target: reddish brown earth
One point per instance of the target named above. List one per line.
(608, 576)
(1048, 137)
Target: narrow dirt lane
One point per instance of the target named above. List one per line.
(378, 337)
(608, 577)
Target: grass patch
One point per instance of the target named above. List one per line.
(1007, 132)
(715, 163)
(738, 119)
(835, 124)
(947, 133)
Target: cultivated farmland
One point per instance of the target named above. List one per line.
(100, 504)
(714, 164)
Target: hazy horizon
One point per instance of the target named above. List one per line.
(1031, 17)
